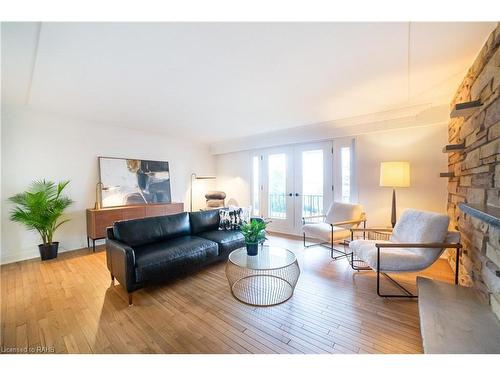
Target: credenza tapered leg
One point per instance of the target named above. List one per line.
(130, 299)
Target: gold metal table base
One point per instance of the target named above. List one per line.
(262, 290)
(266, 279)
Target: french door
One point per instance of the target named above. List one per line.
(292, 182)
(289, 183)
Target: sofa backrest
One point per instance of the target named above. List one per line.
(340, 211)
(416, 226)
(203, 221)
(152, 229)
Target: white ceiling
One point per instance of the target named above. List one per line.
(216, 81)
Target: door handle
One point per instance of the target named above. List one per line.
(297, 194)
(290, 194)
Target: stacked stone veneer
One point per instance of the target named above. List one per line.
(477, 172)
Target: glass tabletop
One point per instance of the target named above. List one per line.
(268, 258)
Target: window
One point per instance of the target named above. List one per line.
(277, 186)
(312, 183)
(255, 186)
(345, 166)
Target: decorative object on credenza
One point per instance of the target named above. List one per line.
(394, 174)
(254, 232)
(126, 182)
(194, 176)
(98, 195)
(99, 188)
(39, 209)
(215, 199)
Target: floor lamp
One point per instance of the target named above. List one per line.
(394, 174)
(195, 177)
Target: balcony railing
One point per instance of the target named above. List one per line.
(312, 205)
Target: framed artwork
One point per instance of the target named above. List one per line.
(132, 181)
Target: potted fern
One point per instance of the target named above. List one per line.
(254, 232)
(39, 209)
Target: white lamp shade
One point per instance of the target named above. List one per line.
(395, 174)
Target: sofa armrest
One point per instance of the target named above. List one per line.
(348, 222)
(120, 259)
(305, 218)
(388, 230)
(109, 233)
(432, 245)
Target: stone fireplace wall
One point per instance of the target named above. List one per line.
(476, 172)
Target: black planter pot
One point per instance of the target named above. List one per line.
(252, 248)
(48, 251)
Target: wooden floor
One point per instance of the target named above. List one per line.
(69, 305)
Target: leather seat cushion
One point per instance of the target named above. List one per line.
(158, 260)
(228, 240)
(392, 259)
(323, 231)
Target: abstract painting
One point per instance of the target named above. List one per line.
(132, 182)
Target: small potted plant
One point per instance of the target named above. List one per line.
(39, 209)
(254, 232)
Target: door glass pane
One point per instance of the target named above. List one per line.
(277, 186)
(312, 183)
(255, 186)
(345, 163)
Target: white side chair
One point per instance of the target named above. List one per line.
(416, 242)
(334, 226)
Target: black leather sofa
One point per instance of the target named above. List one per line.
(151, 250)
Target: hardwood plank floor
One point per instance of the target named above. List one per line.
(68, 304)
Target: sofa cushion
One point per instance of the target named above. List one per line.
(392, 259)
(176, 225)
(139, 232)
(416, 226)
(203, 221)
(228, 240)
(343, 212)
(156, 260)
(323, 231)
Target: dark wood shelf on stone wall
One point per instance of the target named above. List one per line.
(465, 109)
(447, 174)
(454, 147)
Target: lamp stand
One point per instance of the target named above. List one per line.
(193, 175)
(393, 212)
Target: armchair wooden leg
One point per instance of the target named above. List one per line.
(457, 265)
(130, 300)
(112, 279)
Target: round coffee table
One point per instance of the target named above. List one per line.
(265, 279)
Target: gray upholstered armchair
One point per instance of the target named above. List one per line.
(415, 243)
(333, 227)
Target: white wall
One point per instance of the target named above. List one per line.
(37, 145)
(421, 146)
(234, 176)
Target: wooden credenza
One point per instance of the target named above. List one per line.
(99, 220)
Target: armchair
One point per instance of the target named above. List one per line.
(416, 242)
(333, 227)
